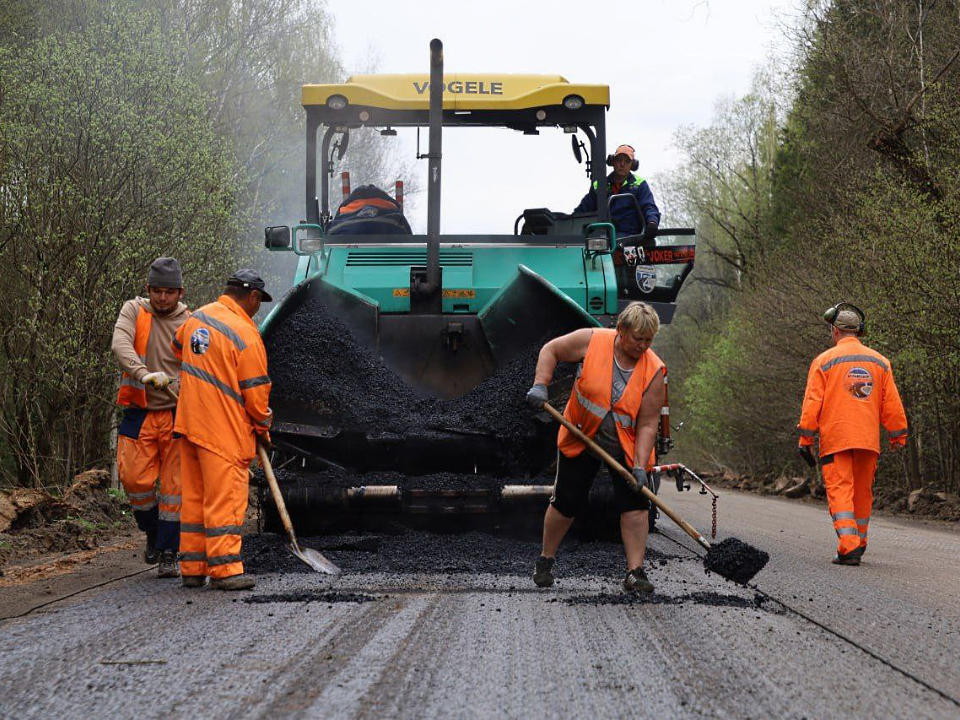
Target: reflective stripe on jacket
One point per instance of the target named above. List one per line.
(133, 392)
(590, 398)
(224, 386)
(850, 393)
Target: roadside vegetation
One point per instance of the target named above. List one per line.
(128, 130)
(834, 179)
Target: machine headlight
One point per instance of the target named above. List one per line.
(598, 244)
(336, 102)
(573, 102)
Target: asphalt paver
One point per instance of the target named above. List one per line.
(391, 640)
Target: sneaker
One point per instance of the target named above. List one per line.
(636, 581)
(193, 581)
(234, 582)
(151, 556)
(543, 571)
(168, 567)
(850, 558)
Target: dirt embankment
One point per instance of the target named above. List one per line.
(35, 525)
(928, 502)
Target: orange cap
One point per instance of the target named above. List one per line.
(625, 150)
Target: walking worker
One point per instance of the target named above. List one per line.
(616, 400)
(224, 410)
(850, 393)
(147, 448)
(623, 211)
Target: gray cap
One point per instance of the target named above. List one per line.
(847, 320)
(165, 273)
(249, 278)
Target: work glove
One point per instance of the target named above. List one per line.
(807, 454)
(651, 231)
(157, 380)
(650, 480)
(537, 396)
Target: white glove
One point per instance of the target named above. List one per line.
(157, 380)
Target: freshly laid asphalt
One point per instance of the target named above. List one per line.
(806, 639)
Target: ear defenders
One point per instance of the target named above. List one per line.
(830, 316)
(635, 165)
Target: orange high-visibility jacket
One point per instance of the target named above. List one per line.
(590, 399)
(224, 386)
(133, 392)
(850, 393)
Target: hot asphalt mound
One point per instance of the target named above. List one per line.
(420, 552)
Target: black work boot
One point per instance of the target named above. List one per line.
(193, 581)
(168, 567)
(636, 581)
(151, 556)
(543, 572)
(234, 582)
(850, 558)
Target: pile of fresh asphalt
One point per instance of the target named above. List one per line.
(409, 553)
(317, 363)
(696, 598)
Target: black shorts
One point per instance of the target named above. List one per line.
(571, 492)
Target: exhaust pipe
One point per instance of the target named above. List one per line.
(434, 280)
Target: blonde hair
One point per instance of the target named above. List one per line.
(639, 317)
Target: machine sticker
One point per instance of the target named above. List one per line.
(633, 255)
(465, 293)
(646, 278)
(200, 341)
(671, 255)
(859, 383)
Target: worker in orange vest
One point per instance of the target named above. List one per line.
(616, 400)
(224, 409)
(146, 446)
(850, 393)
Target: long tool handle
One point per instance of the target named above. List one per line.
(277, 497)
(628, 476)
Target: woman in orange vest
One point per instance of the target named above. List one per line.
(850, 393)
(146, 446)
(616, 400)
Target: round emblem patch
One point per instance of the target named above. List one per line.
(200, 341)
(646, 278)
(367, 212)
(859, 383)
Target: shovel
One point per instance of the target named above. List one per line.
(732, 559)
(311, 557)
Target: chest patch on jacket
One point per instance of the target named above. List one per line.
(200, 341)
(859, 383)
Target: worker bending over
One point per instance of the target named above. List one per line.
(616, 400)
(623, 211)
(850, 393)
(146, 446)
(224, 409)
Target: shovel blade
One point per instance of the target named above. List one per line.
(316, 560)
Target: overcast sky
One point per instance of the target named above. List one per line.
(667, 62)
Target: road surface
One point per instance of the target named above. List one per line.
(809, 639)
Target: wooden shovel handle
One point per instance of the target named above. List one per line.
(277, 497)
(628, 476)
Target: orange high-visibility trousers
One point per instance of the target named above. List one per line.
(154, 453)
(848, 477)
(215, 493)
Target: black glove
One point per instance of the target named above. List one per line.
(651, 231)
(807, 454)
(652, 481)
(537, 396)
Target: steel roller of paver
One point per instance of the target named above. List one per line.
(444, 312)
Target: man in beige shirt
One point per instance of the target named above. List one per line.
(147, 449)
